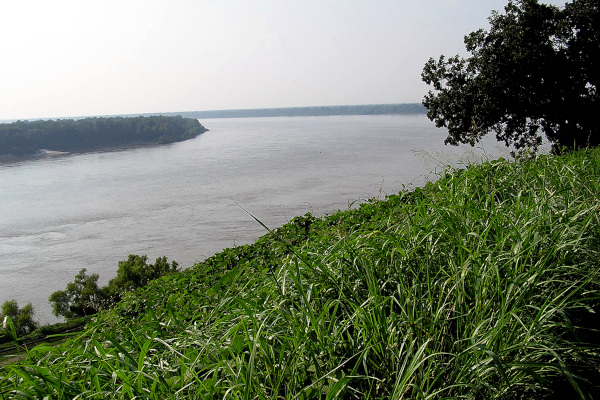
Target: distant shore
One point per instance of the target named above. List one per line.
(40, 139)
(7, 158)
(45, 153)
(312, 111)
(316, 111)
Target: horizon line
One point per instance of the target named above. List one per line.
(231, 110)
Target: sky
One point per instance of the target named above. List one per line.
(67, 58)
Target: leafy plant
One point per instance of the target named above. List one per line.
(533, 72)
(83, 296)
(20, 319)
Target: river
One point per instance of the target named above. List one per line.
(60, 214)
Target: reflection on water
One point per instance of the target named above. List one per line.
(91, 210)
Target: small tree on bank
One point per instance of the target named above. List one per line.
(84, 297)
(22, 318)
(535, 71)
(81, 297)
(135, 272)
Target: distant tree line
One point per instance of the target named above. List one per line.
(368, 109)
(28, 137)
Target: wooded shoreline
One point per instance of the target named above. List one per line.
(44, 138)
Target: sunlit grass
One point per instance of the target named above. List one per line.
(481, 285)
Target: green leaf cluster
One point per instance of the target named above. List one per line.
(534, 72)
(20, 318)
(83, 296)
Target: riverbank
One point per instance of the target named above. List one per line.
(11, 158)
(483, 283)
(68, 135)
(44, 153)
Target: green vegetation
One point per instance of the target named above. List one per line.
(83, 296)
(28, 137)
(21, 318)
(483, 284)
(9, 347)
(81, 299)
(535, 71)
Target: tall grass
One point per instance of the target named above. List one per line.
(481, 285)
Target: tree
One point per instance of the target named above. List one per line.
(135, 272)
(22, 318)
(535, 71)
(82, 297)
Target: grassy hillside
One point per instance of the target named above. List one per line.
(482, 285)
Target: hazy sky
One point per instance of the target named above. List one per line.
(65, 58)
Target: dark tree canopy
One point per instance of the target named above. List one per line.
(22, 318)
(84, 297)
(135, 272)
(27, 137)
(534, 72)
